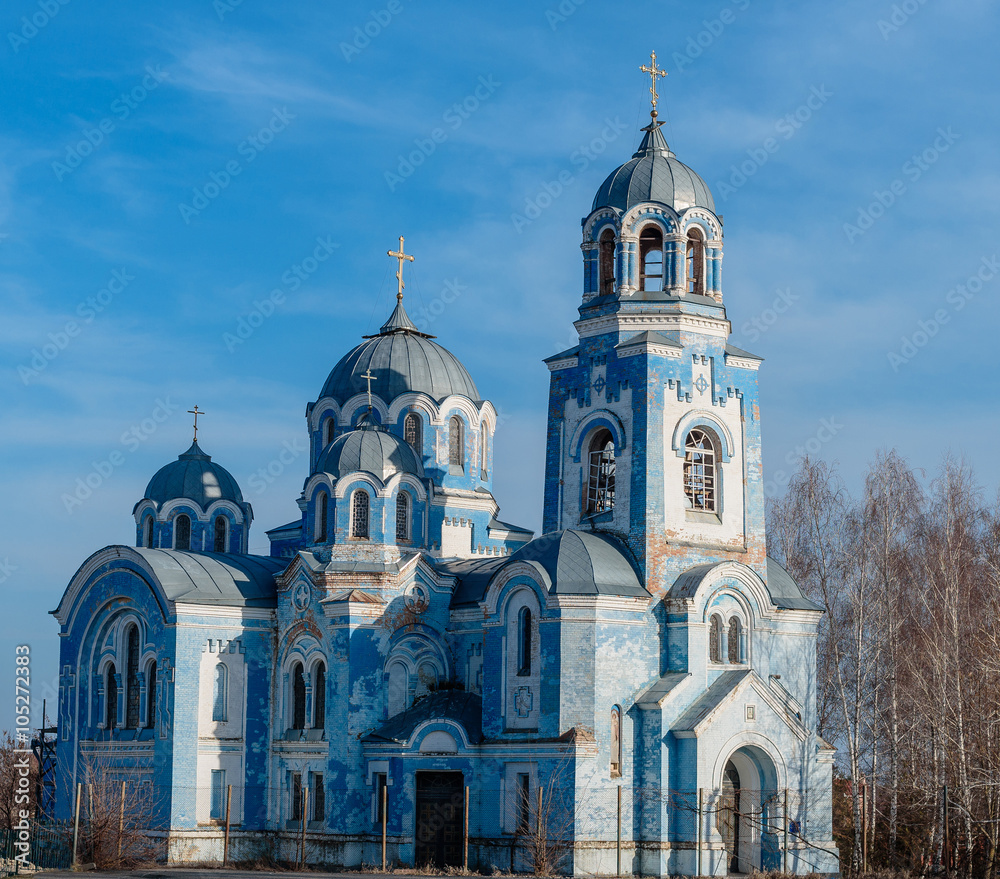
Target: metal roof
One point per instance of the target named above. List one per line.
(739, 352)
(464, 708)
(473, 577)
(401, 359)
(371, 449)
(193, 476)
(710, 700)
(653, 174)
(226, 579)
(781, 588)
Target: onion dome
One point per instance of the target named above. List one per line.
(195, 477)
(372, 449)
(654, 174)
(401, 359)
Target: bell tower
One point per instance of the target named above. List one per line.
(653, 423)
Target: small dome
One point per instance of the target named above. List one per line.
(193, 476)
(371, 449)
(583, 563)
(401, 359)
(654, 174)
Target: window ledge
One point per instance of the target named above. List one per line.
(702, 518)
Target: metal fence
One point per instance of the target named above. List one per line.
(39, 847)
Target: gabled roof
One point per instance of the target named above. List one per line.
(466, 709)
(649, 338)
(663, 689)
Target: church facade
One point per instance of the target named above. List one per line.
(639, 680)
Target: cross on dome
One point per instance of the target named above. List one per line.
(195, 412)
(653, 72)
(400, 256)
(367, 374)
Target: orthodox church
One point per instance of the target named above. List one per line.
(636, 686)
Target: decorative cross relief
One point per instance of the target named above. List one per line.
(164, 682)
(523, 701)
(701, 384)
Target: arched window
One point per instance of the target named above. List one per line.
(403, 516)
(322, 502)
(147, 539)
(735, 641)
(600, 473)
(182, 532)
(329, 427)
(606, 263)
(484, 452)
(132, 678)
(456, 442)
(524, 642)
(715, 639)
(319, 696)
(699, 471)
(397, 689)
(359, 513)
(298, 697)
(221, 532)
(220, 693)
(695, 261)
(616, 742)
(110, 698)
(651, 259)
(413, 432)
(151, 695)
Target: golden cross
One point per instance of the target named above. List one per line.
(653, 72)
(367, 375)
(196, 412)
(400, 255)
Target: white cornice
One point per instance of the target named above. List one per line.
(625, 323)
(565, 363)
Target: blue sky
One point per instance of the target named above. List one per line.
(195, 157)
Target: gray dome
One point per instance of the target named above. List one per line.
(372, 449)
(401, 359)
(195, 477)
(654, 174)
(583, 563)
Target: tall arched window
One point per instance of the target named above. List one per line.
(147, 539)
(221, 532)
(298, 697)
(329, 427)
(132, 678)
(606, 263)
(220, 693)
(524, 642)
(700, 471)
(322, 502)
(695, 259)
(397, 689)
(319, 696)
(715, 639)
(484, 452)
(182, 532)
(151, 695)
(616, 742)
(600, 473)
(110, 698)
(359, 513)
(735, 641)
(651, 259)
(413, 432)
(403, 516)
(456, 442)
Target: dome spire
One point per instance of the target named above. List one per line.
(653, 72)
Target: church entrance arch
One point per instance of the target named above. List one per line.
(440, 810)
(747, 807)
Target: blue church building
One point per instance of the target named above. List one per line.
(639, 680)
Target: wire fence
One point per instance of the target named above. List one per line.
(35, 847)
